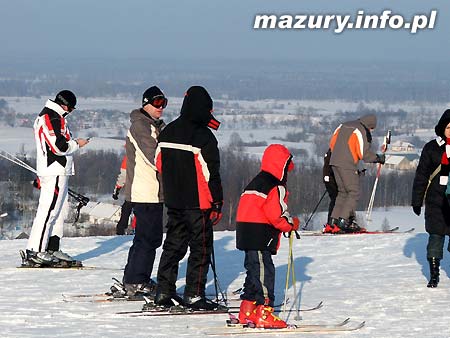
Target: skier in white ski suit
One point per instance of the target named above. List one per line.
(54, 147)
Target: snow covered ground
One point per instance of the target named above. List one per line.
(377, 278)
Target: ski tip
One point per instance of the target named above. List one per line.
(346, 321)
(361, 325)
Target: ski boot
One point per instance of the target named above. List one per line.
(330, 229)
(353, 228)
(263, 317)
(33, 259)
(347, 227)
(165, 302)
(245, 311)
(434, 272)
(64, 260)
(117, 290)
(202, 303)
(140, 290)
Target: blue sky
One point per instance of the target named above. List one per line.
(209, 29)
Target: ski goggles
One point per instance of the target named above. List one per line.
(159, 101)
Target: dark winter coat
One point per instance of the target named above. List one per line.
(188, 157)
(262, 211)
(437, 209)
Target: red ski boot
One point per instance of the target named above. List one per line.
(263, 317)
(246, 310)
(331, 229)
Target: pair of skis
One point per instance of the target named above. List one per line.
(232, 328)
(176, 311)
(377, 232)
(108, 298)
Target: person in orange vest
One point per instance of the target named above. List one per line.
(262, 216)
(350, 143)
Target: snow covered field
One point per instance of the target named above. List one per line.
(377, 278)
(15, 140)
(33, 105)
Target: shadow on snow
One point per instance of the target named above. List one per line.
(417, 246)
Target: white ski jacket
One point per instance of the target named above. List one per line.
(54, 143)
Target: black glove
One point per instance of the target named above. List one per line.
(215, 214)
(417, 210)
(37, 183)
(362, 172)
(381, 158)
(115, 194)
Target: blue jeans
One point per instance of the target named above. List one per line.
(148, 237)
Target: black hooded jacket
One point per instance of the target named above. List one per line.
(437, 209)
(188, 157)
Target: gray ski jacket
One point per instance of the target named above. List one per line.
(351, 142)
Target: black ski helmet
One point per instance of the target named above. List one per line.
(67, 98)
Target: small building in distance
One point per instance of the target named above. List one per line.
(100, 213)
(402, 156)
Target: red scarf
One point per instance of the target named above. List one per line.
(446, 155)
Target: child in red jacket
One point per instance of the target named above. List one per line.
(262, 216)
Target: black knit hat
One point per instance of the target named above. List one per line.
(67, 98)
(443, 122)
(149, 94)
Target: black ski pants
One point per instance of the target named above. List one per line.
(186, 228)
(259, 282)
(332, 191)
(148, 237)
(435, 246)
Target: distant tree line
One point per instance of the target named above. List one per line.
(383, 81)
(96, 173)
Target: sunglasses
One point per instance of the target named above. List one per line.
(159, 101)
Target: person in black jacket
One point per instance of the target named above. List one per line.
(434, 166)
(188, 159)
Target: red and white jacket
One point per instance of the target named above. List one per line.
(54, 143)
(262, 213)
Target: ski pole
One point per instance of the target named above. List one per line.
(82, 200)
(10, 157)
(288, 272)
(216, 278)
(294, 280)
(372, 196)
(291, 269)
(387, 141)
(305, 227)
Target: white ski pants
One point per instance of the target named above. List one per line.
(51, 212)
